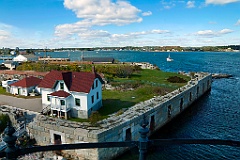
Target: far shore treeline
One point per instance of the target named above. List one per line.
(227, 48)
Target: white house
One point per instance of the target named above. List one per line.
(5, 84)
(71, 94)
(25, 58)
(11, 64)
(25, 86)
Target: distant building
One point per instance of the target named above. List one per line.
(25, 58)
(11, 64)
(144, 65)
(5, 84)
(97, 60)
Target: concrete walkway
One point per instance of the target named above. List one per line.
(34, 104)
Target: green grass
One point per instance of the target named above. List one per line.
(152, 83)
(78, 120)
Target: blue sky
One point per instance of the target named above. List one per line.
(103, 23)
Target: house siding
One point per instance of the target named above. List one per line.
(86, 106)
(21, 90)
(45, 92)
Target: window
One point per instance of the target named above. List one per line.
(62, 86)
(128, 135)
(190, 96)
(152, 123)
(93, 86)
(169, 111)
(62, 102)
(181, 104)
(48, 98)
(97, 95)
(57, 139)
(77, 101)
(92, 99)
(96, 83)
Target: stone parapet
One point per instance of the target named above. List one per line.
(158, 110)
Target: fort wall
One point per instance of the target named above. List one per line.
(124, 127)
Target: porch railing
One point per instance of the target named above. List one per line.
(12, 152)
(63, 108)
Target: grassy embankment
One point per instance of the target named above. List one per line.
(149, 83)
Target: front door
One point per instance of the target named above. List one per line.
(19, 91)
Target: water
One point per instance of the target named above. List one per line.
(216, 115)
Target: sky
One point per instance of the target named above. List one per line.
(118, 23)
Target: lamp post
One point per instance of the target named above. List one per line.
(10, 140)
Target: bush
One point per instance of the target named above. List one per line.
(176, 79)
(94, 117)
(3, 122)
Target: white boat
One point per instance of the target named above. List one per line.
(169, 59)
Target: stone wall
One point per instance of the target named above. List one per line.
(18, 116)
(158, 110)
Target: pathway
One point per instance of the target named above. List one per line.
(34, 104)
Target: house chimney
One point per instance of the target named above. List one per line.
(93, 69)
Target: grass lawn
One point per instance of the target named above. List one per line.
(151, 82)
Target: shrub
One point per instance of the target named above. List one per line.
(3, 122)
(176, 79)
(94, 117)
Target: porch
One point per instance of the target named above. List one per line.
(60, 111)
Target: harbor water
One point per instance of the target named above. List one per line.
(216, 115)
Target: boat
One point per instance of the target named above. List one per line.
(169, 59)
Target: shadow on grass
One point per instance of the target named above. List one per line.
(113, 105)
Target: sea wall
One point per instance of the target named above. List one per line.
(124, 127)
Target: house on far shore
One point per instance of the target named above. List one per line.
(71, 94)
(25, 86)
(25, 58)
(11, 64)
(99, 60)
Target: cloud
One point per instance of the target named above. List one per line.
(225, 31)
(190, 4)
(238, 23)
(4, 34)
(97, 13)
(168, 5)
(104, 12)
(148, 13)
(221, 2)
(210, 33)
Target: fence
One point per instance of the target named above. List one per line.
(12, 152)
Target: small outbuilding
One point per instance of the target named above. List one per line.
(25, 86)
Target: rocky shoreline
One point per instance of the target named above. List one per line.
(221, 75)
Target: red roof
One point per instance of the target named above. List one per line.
(27, 82)
(75, 81)
(60, 93)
